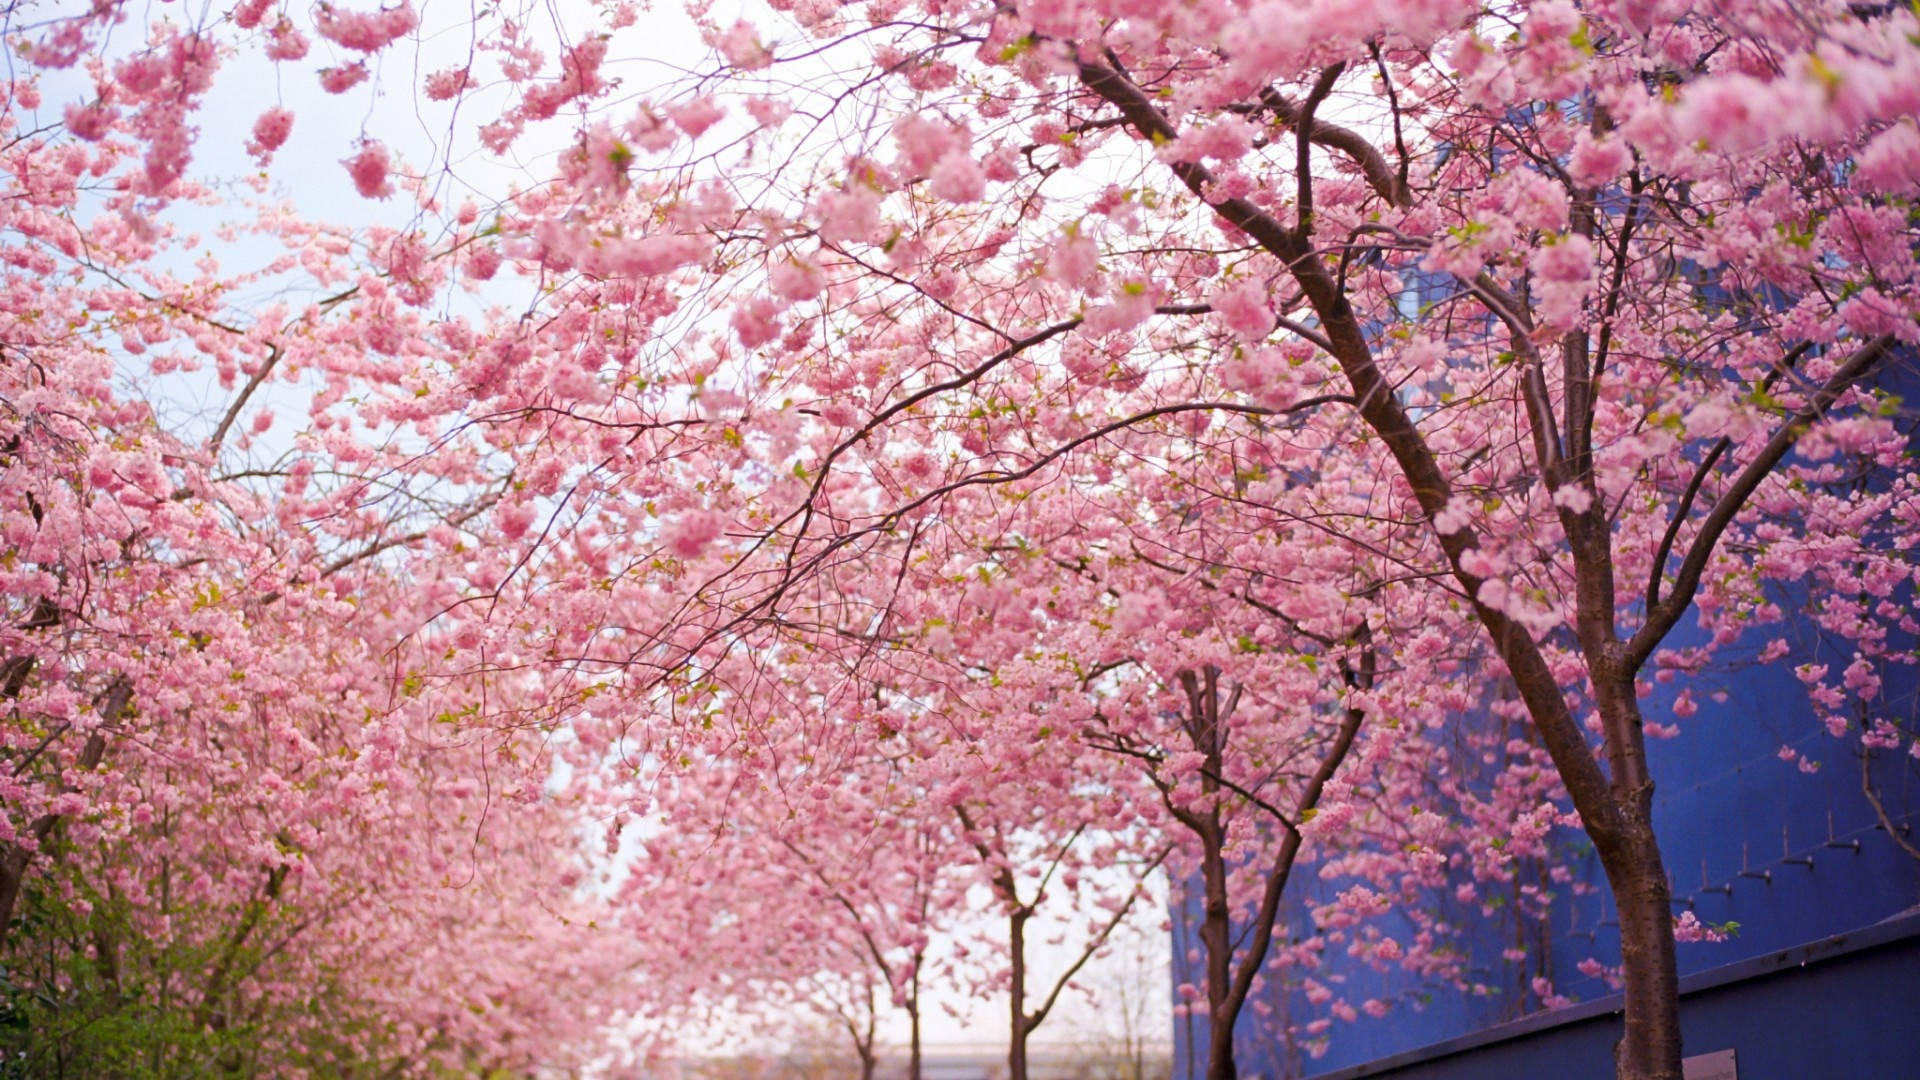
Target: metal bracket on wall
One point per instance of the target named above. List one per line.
(1787, 857)
(1726, 888)
(1852, 842)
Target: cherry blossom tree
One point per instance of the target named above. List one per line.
(1569, 193)
(1564, 322)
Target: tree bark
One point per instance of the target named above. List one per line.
(1216, 937)
(15, 858)
(913, 1018)
(1019, 1028)
(1650, 1045)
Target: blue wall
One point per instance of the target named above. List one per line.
(1738, 826)
(1842, 1008)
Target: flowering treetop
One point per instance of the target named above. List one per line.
(991, 335)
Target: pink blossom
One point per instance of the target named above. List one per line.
(1567, 259)
(248, 14)
(757, 321)
(957, 178)
(1573, 498)
(1131, 304)
(1494, 593)
(1890, 163)
(364, 31)
(514, 519)
(601, 162)
(369, 169)
(651, 255)
(270, 132)
(1871, 313)
(1002, 165)
(688, 535)
(741, 47)
(446, 84)
(768, 113)
(1073, 259)
(1244, 308)
(1597, 162)
(1861, 677)
(482, 262)
(1531, 200)
(696, 115)
(339, 80)
(1226, 139)
(1688, 927)
(1563, 270)
(286, 42)
(1137, 611)
(848, 215)
(1709, 418)
(924, 140)
(90, 122)
(796, 280)
(1453, 518)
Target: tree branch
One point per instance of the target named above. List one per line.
(1686, 583)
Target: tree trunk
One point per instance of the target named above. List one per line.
(1649, 1049)
(15, 858)
(1017, 1007)
(1216, 936)
(13, 871)
(913, 1018)
(1220, 1064)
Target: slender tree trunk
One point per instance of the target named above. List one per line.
(862, 1040)
(1216, 936)
(1017, 1007)
(913, 1018)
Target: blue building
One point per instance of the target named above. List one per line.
(1821, 978)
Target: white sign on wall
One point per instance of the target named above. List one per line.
(1718, 1065)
